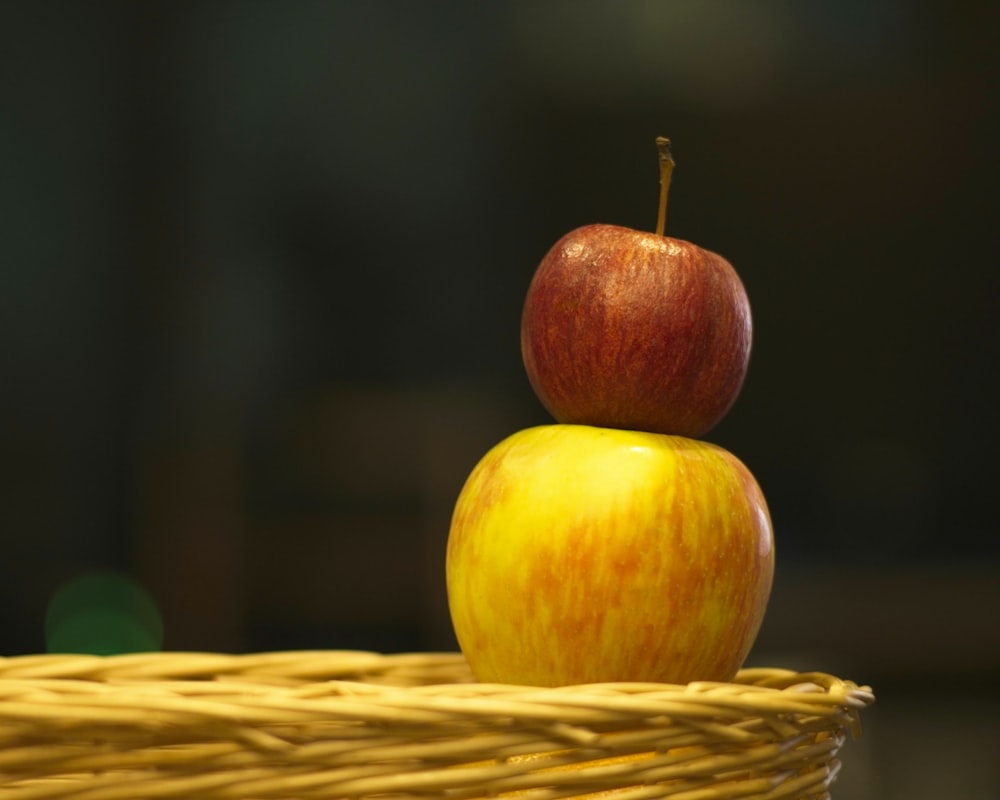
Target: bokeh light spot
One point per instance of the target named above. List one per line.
(102, 613)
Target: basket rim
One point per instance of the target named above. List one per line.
(323, 724)
(433, 674)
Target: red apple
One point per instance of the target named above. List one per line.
(581, 554)
(630, 329)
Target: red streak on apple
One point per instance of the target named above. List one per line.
(628, 329)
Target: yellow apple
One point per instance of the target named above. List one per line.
(582, 554)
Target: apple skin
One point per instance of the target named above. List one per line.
(582, 554)
(628, 329)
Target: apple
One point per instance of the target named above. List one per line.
(631, 329)
(583, 554)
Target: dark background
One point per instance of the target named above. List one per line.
(261, 267)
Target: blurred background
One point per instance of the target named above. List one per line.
(261, 267)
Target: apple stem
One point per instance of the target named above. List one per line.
(666, 171)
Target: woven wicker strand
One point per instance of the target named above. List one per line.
(346, 724)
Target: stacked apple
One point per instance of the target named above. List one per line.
(614, 545)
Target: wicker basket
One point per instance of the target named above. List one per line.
(356, 724)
